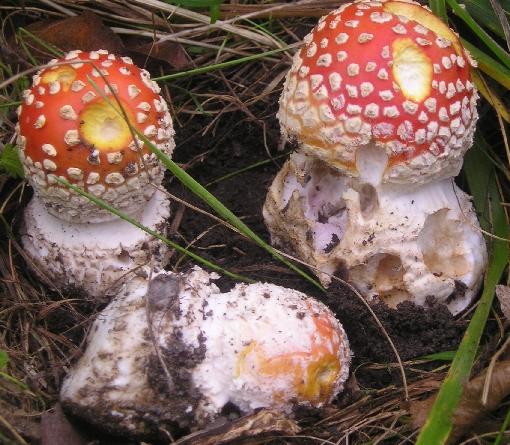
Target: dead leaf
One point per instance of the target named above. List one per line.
(58, 430)
(22, 421)
(470, 410)
(85, 32)
(239, 431)
(503, 294)
(165, 51)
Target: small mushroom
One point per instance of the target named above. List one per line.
(94, 259)
(381, 104)
(73, 126)
(174, 351)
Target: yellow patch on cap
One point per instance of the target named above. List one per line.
(104, 126)
(425, 18)
(64, 74)
(412, 69)
(320, 380)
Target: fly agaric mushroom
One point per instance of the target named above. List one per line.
(190, 350)
(93, 258)
(73, 125)
(382, 85)
(382, 107)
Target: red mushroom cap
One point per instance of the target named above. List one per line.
(387, 74)
(71, 127)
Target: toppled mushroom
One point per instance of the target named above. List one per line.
(381, 104)
(72, 127)
(93, 258)
(175, 352)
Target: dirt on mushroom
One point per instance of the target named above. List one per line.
(417, 331)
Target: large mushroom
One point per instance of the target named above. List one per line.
(174, 351)
(381, 104)
(77, 123)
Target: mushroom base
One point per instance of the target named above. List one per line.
(174, 351)
(93, 258)
(392, 242)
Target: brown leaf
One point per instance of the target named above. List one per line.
(58, 430)
(86, 32)
(471, 409)
(166, 51)
(503, 294)
(239, 431)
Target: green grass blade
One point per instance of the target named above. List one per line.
(4, 359)
(503, 429)
(484, 15)
(439, 8)
(195, 3)
(245, 169)
(481, 178)
(498, 51)
(488, 65)
(445, 356)
(219, 66)
(134, 222)
(10, 162)
(52, 49)
(200, 191)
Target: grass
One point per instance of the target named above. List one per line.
(483, 184)
(230, 81)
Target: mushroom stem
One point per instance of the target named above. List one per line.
(393, 242)
(95, 258)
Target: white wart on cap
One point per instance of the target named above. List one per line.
(258, 345)
(387, 75)
(72, 127)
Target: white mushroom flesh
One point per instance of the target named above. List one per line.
(259, 345)
(394, 242)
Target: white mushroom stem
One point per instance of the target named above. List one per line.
(94, 258)
(175, 351)
(395, 242)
